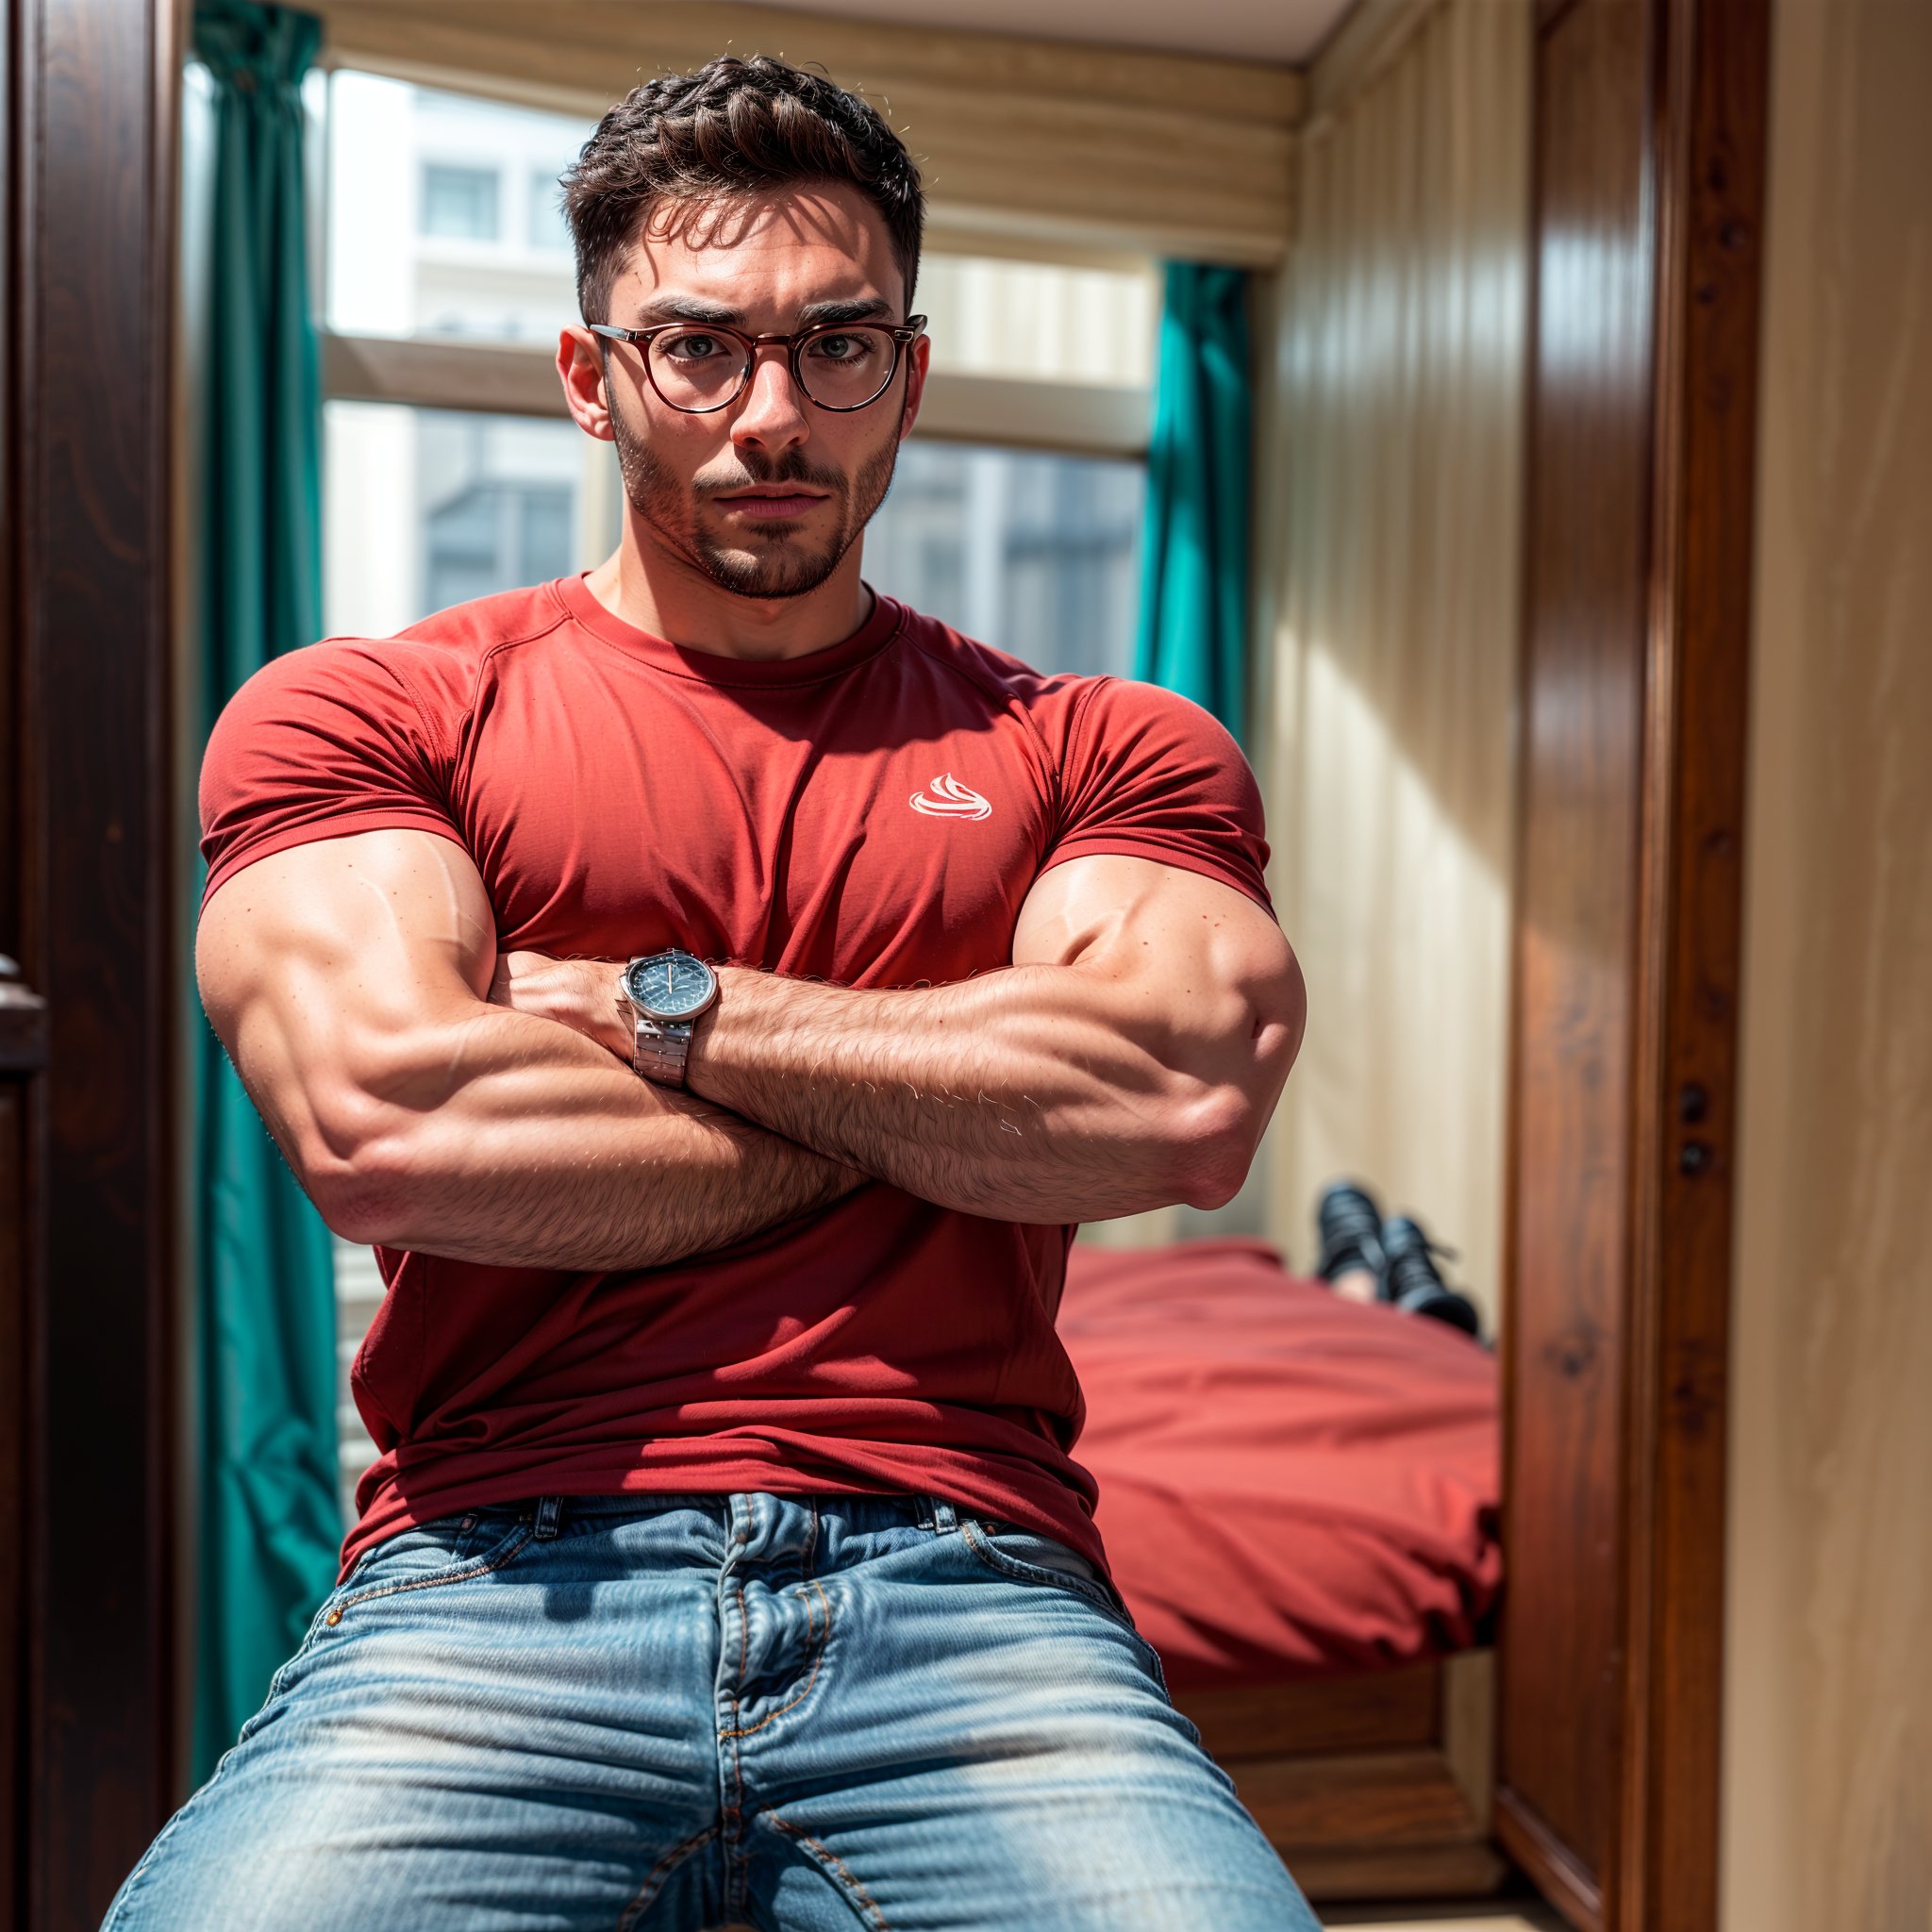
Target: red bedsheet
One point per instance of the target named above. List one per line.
(1291, 1485)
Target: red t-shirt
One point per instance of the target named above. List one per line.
(873, 814)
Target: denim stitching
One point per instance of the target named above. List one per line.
(735, 1732)
(462, 1572)
(138, 1876)
(660, 1872)
(1020, 1571)
(839, 1873)
(818, 1657)
(733, 1817)
(1018, 1567)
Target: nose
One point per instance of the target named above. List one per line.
(773, 413)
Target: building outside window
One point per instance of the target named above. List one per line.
(1015, 514)
(459, 202)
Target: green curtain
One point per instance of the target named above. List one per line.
(265, 1329)
(1195, 552)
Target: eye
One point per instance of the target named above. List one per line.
(694, 348)
(840, 348)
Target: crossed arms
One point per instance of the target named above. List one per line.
(427, 1097)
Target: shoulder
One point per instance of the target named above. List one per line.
(1079, 717)
(423, 679)
(997, 676)
(1104, 709)
(470, 632)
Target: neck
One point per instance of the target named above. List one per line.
(651, 588)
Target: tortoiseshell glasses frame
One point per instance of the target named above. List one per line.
(700, 383)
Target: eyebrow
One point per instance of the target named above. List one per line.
(720, 314)
(853, 308)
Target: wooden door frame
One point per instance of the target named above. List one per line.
(88, 896)
(1708, 106)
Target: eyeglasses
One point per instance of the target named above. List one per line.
(698, 367)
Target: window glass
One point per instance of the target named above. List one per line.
(437, 225)
(459, 202)
(549, 231)
(428, 508)
(1036, 554)
(460, 263)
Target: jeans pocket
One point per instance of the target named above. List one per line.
(1023, 1556)
(452, 1549)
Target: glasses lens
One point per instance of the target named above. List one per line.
(845, 367)
(696, 368)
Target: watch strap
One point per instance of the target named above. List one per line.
(659, 1048)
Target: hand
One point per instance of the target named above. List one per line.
(582, 995)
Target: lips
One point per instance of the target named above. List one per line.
(771, 502)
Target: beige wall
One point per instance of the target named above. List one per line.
(1828, 1744)
(1388, 622)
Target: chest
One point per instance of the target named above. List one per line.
(868, 843)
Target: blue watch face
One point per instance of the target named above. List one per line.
(672, 985)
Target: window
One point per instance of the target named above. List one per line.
(484, 255)
(496, 505)
(1015, 514)
(459, 202)
(548, 229)
(1037, 554)
(423, 509)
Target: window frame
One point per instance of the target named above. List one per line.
(520, 380)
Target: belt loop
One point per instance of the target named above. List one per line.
(548, 1509)
(943, 1519)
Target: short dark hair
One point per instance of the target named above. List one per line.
(733, 127)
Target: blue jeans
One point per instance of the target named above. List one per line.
(615, 1713)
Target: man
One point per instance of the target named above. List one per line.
(717, 991)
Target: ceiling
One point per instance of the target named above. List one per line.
(1284, 30)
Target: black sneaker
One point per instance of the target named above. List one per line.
(1411, 1280)
(1350, 1228)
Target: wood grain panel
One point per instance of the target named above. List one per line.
(1828, 1771)
(1650, 155)
(1711, 190)
(1419, 1871)
(10, 748)
(16, 1269)
(1586, 541)
(1383, 1709)
(89, 415)
(1363, 1799)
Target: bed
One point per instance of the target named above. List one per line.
(1300, 1500)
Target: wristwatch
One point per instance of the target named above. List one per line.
(667, 991)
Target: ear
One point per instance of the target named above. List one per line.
(917, 364)
(580, 368)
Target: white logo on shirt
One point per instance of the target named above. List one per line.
(946, 798)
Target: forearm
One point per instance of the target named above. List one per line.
(504, 1138)
(1038, 1093)
(1129, 1058)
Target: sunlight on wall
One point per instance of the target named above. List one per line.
(1391, 629)
(1827, 1782)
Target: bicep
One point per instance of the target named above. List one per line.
(1118, 908)
(1182, 946)
(311, 959)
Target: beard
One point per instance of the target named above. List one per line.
(770, 561)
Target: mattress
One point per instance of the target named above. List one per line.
(1291, 1485)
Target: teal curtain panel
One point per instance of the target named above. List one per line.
(1195, 554)
(265, 1305)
